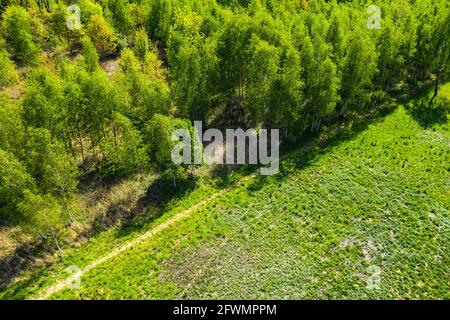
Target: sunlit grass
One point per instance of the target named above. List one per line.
(379, 200)
(377, 197)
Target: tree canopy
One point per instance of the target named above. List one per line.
(101, 85)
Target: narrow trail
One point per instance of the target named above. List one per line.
(177, 217)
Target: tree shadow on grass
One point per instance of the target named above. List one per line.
(130, 215)
(161, 192)
(133, 215)
(348, 130)
(24, 257)
(228, 175)
(302, 154)
(20, 290)
(418, 106)
(426, 115)
(154, 203)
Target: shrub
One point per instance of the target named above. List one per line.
(14, 180)
(17, 31)
(102, 35)
(90, 56)
(159, 136)
(8, 76)
(123, 147)
(141, 45)
(149, 94)
(41, 215)
(12, 128)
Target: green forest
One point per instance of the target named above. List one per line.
(91, 91)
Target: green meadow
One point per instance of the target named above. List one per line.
(361, 199)
(97, 97)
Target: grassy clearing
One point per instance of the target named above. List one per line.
(102, 242)
(380, 199)
(365, 199)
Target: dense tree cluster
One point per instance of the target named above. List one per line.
(287, 64)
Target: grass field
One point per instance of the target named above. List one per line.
(373, 197)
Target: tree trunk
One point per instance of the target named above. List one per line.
(72, 150)
(318, 125)
(115, 136)
(436, 85)
(56, 242)
(312, 125)
(82, 149)
(66, 207)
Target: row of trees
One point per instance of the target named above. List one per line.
(37, 176)
(73, 114)
(287, 64)
(290, 64)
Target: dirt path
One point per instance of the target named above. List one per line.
(179, 216)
